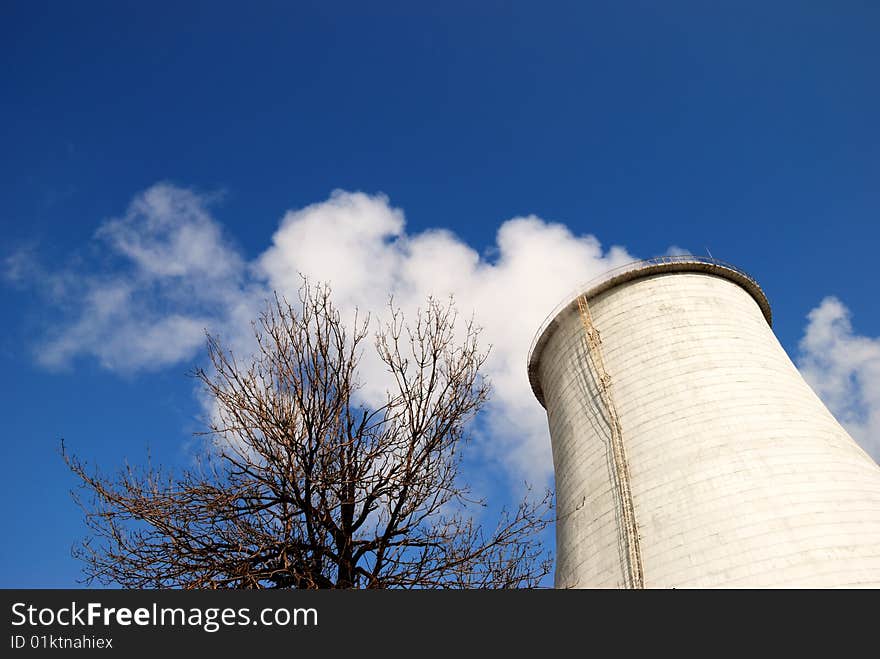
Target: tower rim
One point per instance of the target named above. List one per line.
(632, 271)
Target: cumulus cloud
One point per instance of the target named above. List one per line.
(675, 250)
(175, 275)
(360, 245)
(167, 232)
(844, 369)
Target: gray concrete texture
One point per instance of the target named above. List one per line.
(740, 476)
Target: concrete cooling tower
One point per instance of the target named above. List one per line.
(688, 449)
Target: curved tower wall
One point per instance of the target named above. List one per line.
(739, 475)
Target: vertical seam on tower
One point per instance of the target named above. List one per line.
(618, 450)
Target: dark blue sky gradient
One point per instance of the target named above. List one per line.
(748, 128)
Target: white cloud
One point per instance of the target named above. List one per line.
(844, 369)
(176, 277)
(359, 244)
(167, 232)
(352, 240)
(675, 250)
(180, 275)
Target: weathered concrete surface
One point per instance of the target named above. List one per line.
(740, 476)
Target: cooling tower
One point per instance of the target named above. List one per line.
(688, 449)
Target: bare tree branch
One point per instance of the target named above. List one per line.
(305, 486)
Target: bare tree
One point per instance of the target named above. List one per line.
(303, 485)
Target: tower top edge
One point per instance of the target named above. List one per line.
(630, 272)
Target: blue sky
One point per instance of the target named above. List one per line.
(745, 128)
